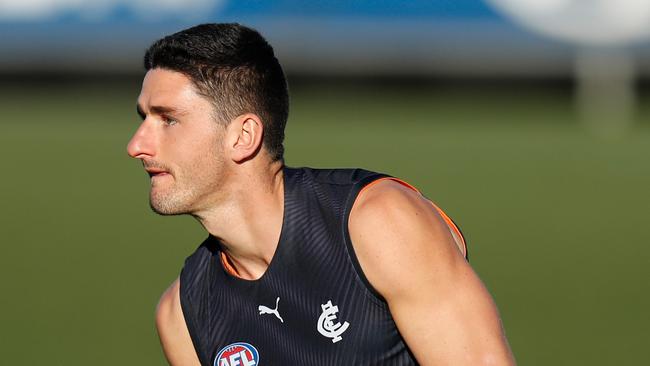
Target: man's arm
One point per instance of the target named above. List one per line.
(440, 306)
(172, 330)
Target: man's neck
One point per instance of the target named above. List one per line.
(248, 223)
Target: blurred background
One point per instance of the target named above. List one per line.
(526, 120)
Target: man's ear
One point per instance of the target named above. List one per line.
(244, 137)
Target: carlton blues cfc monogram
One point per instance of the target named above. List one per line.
(326, 325)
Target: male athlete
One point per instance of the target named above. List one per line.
(301, 266)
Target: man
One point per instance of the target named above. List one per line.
(301, 266)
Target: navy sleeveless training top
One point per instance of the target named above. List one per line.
(312, 306)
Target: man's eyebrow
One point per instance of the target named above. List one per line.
(158, 109)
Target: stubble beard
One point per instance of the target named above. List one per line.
(172, 203)
(186, 196)
(192, 186)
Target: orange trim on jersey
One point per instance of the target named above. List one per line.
(227, 265)
(450, 223)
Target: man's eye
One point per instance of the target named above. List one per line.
(169, 121)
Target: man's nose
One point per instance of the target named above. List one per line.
(142, 144)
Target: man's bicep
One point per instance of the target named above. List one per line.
(455, 323)
(172, 330)
(441, 308)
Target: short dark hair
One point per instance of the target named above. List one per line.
(236, 68)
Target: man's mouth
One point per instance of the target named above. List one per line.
(155, 172)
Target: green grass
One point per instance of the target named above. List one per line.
(556, 218)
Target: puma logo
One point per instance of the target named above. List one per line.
(266, 310)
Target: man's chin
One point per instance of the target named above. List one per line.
(164, 211)
(166, 207)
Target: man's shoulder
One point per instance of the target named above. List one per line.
(390, 201)
(387, 193)
(172, 329)
(403, 222)
(169, 303)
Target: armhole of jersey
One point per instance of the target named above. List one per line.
(352, 197)
(187, 310)
(458, 236)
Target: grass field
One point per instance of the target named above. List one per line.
(556, 218)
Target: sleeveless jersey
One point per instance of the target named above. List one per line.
(312, 306)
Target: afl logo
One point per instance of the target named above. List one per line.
(237, 354)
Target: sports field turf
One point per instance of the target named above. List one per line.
(557, 219)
